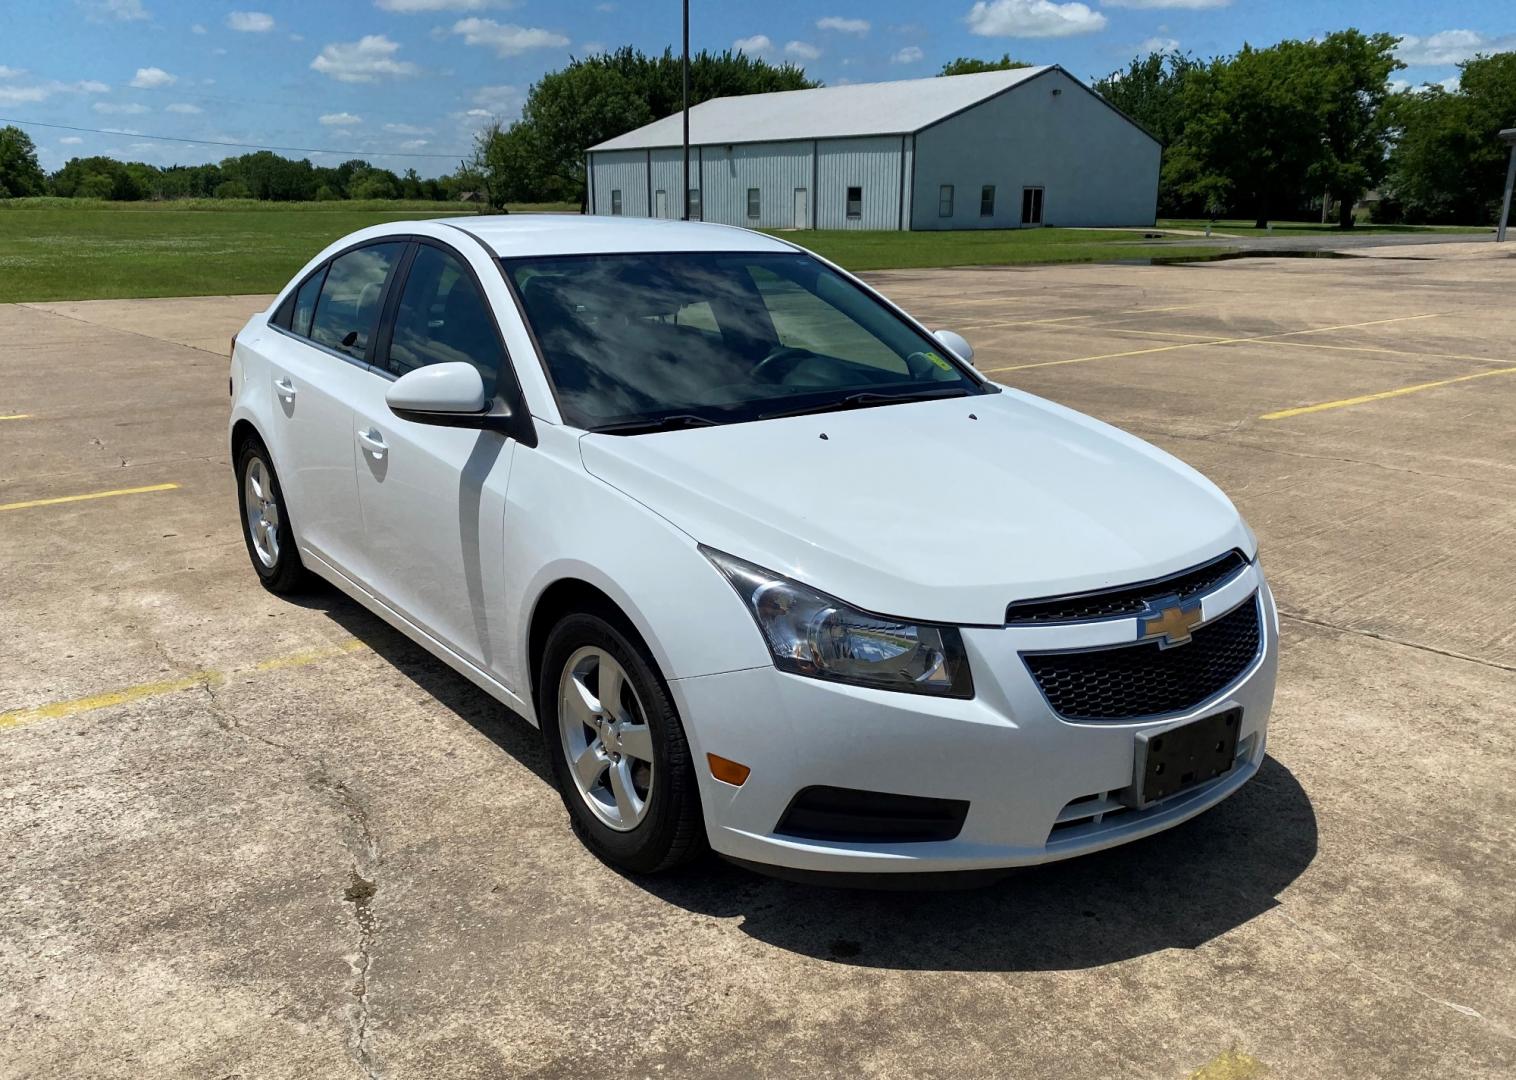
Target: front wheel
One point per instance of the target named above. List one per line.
(618, 750)
(266, 521)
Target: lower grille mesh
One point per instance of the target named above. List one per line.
(1133, 681)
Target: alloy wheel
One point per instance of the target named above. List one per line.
(606, 739)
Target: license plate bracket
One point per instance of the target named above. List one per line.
(1177, 758)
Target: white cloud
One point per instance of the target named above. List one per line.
(29, 95)
(801, 50)
(198, 28)
(368, 59)
(1158, 44)
(909, 55)
(113, 108)
(1450, 84)
(843, 26)
(407, 129)
(605, 9)
(1032, 19)
(498, 100)
(413, 144)
(479, 114)
(507, 39)
(758, 43)
(297, 38)
(185, 108)
(592, 48)
(250, 22)
(70, 140)
(118, 10)
(1191, 5)
(417, 7)
(1450, 46)
(10, 72)
(340, 119)
(150, 78)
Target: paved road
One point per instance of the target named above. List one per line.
(246, 837)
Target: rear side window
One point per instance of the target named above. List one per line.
(348, 306)
(305, 304)
(442, 318)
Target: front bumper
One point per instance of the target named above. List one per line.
(1039, 787)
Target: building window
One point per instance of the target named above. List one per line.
(752, 203)
(615, 200)
(987, 201)
(694, 204)
(855, 202)
(945, 201)
(1031, 206)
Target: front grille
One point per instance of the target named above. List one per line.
(1126, 599)
(1129, 682)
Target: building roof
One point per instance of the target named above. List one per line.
(827, 112)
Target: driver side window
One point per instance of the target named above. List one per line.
(442, 318)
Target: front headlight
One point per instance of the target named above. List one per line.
(815, 635)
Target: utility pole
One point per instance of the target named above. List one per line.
(686, 67)
(1508, 136)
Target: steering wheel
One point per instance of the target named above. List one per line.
(780, 362)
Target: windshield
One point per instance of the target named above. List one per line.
(648, 341)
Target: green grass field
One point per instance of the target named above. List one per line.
(1237, 227)
(859, 250)
(74, 249)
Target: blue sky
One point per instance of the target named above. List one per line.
(386, 78)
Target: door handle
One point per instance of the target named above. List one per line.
(286, 388)
(373, 442)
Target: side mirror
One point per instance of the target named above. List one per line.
(448, 394)
(955, 344)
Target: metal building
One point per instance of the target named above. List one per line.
(994, 150)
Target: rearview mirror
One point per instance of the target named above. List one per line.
(451, 394)
(955, 344)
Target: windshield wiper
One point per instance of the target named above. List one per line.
(867, 399)
(659, 423)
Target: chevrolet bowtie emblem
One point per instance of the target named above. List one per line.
(1170, 620)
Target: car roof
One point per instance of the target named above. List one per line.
(514, 235)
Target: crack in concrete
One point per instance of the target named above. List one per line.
(1449, 653)
(362, 875)
(34, 306)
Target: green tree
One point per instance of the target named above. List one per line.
(19, 172)
(1357, 70)
(541, 156)
(374, 184)
(95, 178)
(967, 65)
(1448, 164)
(1254, 134)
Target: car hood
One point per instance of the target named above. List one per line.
(941, 511)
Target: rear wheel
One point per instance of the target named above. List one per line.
(617, 747)
(266, 521)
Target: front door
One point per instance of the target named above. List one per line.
(661, 203)
(316, 369)
(802, 208)
(1031, 206)
(433, 498)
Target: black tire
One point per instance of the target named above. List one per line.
(672, 832)
(287, 574)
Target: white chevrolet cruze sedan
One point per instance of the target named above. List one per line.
(774, 569)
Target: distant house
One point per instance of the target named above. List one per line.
(993, 150)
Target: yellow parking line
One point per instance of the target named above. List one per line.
(1213, 341)
(75, 706)
(17, 416)
(1362, 399)
(91, 495)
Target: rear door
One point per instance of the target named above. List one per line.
(319, 365)
(433, 497)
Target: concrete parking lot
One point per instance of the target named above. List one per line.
(247, 838)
